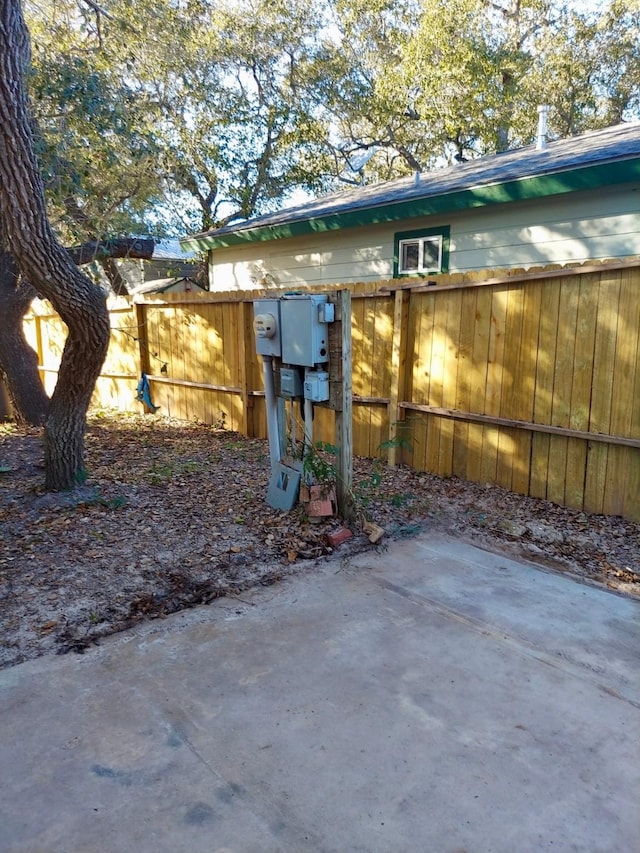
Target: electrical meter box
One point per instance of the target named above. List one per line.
(267, 326)
(304, 329)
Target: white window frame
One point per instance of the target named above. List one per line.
(421, 268)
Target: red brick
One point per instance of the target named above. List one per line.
(337, 537)
(319, 508)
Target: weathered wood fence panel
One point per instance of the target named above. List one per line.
(528, 380)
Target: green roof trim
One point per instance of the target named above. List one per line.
(522, 189)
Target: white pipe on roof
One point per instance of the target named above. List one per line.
(541, 140)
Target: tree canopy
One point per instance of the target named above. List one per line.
(428, 81)
(179, 115)
(176, 115)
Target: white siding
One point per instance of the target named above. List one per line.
(585, 226)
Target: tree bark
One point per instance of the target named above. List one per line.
(18, 361)
(46, 264)
(120, 247)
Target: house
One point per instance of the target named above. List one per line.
(158, 286)
(563, 202)
(169, 261)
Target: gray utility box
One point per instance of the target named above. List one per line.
(267, 326)
(290, 382)
(304, 329)
(316, 386)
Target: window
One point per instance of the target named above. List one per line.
(421, 252)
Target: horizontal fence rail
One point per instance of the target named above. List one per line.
(526, 425)
(525, 379)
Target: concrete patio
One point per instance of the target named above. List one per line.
(430, 697)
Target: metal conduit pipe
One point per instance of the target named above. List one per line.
(271, 403)
(308, 425)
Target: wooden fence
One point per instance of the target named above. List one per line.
(530, 380)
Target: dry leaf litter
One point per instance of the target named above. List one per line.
(173, 515)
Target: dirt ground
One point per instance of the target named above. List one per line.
(173, 515)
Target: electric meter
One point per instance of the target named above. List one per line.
(266, 326)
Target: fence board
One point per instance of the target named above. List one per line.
(563, 378)
(525, 386)
(231, 330)
(382, 358)
(365, 413)
(450, 378)
(423, 313)
(582, 376)
(631, 507)
(619, 461)
(493, 386)
(511, 386)
(436, 382)
(480, 358)
(397, 377)
(361, 373)
(465, 378)
(411, 335)
(602, 394)
(204, 364)
(543, 391)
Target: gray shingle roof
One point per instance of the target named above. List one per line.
(616, 143)
(170, 250)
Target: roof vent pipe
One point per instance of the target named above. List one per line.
(416, 178)
(541, 140)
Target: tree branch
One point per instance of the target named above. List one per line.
(98, 9)
(101, 250)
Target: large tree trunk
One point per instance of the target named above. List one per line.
(18, 361)
(46, 264)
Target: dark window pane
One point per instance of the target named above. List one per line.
(431, 257)
(409, 255)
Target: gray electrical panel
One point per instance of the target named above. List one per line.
(305, 331)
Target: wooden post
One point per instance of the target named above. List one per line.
(246, 346)
(344, 414)
(336, 387)
(144, 361)
(398, 368)
(141, 335)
